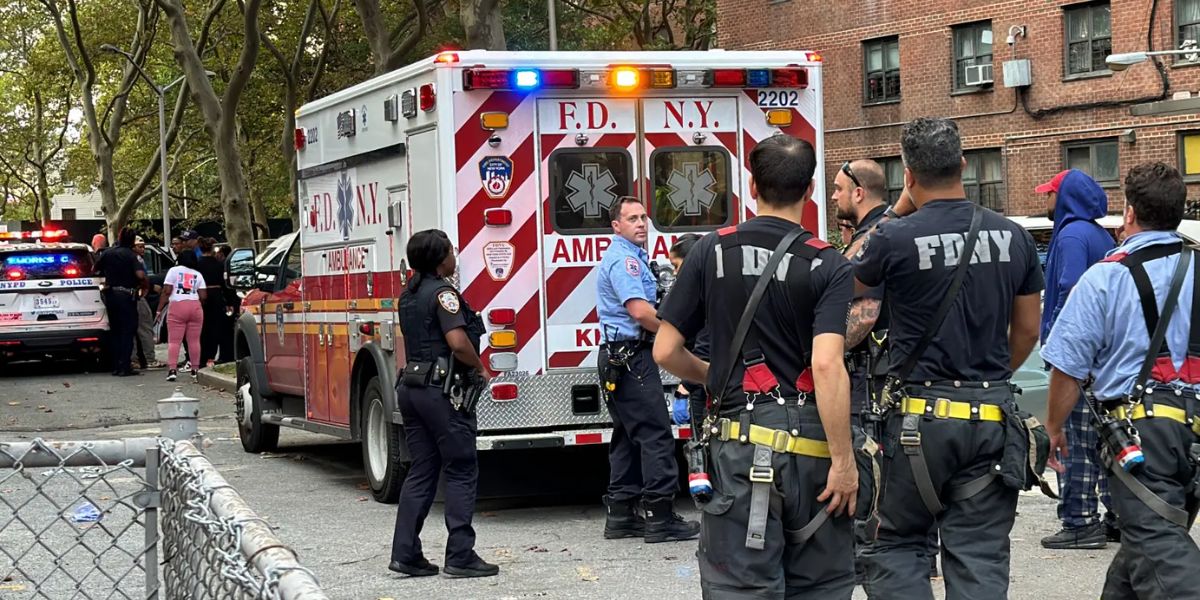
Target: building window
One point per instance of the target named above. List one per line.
(893, 177)
(1089, 38)
(1187, 23)
(881, 70)
(984, 180)
(972, 48)
(1097, 158)
(68, 214)
(1189, 155)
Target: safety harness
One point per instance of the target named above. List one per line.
(758, 380)
(1158, 367)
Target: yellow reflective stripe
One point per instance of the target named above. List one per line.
(944, 408)
(777, 439)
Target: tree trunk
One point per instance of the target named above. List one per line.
(39, 158)
(482, 23)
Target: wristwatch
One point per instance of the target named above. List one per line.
(891, 213)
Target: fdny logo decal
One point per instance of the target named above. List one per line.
(449, 301)
(496, 174)
(633, 266)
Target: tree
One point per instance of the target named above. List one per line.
(220, 113)
(482, 23)
(387, 49)
(654, 24)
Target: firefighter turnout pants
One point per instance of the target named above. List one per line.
(641, 455)
(959, 440)
(1157, 558)
(793, 562)
(439, 438)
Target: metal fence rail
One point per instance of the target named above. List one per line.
(145, 518)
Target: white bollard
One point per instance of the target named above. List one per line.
(178, 416)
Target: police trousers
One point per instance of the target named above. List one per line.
(641, 455)
(1158, 559)
(974, 531)
(439, 438)
(820, 567)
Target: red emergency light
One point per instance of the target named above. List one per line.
(789, 78)
(446, 58)
(71, 271)
(520, 79)
(497, 217)
(426, 97)
(504, 392)
(301, 140)
(502, 317)
(727, 78)
(14, 274)
(43, 234)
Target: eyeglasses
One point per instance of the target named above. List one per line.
(850, 174)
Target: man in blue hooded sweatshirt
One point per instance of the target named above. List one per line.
(1074, 201)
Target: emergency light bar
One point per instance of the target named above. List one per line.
(628, 78)
(45, 234)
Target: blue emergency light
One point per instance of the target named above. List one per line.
(526, 79)
(758, 77)
(38, 259)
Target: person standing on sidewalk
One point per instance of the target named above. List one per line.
(1073, 202)
(123, 277)
(184, 290)
(217, 326)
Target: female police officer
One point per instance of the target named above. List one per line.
(441, 337)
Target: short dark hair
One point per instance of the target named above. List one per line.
(683, 245)
(188, 259)
(782, 167)
(932, 151)
(426, 250)
(126, 237)
(614, 209)
(1157, 194)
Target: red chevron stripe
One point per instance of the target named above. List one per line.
(566, 360)
(561, 283)
(470, 217)
(483, 290)
(471, 135)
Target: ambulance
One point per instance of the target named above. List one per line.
(517, 156)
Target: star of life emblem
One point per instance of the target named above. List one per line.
(591, 190)
(345, 204)
(691, 189)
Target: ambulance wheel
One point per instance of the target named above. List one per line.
(382, 446)
(255, 435)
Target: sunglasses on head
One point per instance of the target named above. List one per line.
(847, 226)
(850, 174)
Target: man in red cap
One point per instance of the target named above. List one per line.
(1074, 202)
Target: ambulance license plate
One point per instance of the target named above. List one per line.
(781, 98)
(45, 302)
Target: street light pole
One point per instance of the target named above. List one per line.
(553, 18)
(1120, 62)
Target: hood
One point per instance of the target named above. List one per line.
(1080, 198)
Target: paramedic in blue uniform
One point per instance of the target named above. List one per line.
(1102, 334)
(439, 330)
(641, 455)
(955, 409)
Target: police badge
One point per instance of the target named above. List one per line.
(449, 301)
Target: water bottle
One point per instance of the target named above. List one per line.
(1124, 447)
(698, 482)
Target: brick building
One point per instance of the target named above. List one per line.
(887, 62)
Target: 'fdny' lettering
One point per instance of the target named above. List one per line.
(579, 250)
(695, 112)
(595, 112)
(368, 193)
(951, 247)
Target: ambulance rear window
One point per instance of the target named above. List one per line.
(46, 264)
(583, 184)
(690, 188)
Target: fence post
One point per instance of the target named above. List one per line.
(153, 456)
(178, 416)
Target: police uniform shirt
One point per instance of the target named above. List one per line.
(915, 257)
(624, 275)
(449, 309)
(120, 266)
(700, 297)
(1101, 331)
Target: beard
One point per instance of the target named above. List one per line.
(847, 215)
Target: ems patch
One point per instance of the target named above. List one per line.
(633, 266)
(495, 172)
(449, 301)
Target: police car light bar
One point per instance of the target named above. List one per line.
(45, 234)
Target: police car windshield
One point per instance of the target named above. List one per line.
(47, 263)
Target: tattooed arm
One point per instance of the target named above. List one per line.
(863, 314)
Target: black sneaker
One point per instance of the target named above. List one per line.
(172, 375)
(419, 568)
(1088, 537)
(476, 568)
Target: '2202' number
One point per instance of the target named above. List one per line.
(778, 98)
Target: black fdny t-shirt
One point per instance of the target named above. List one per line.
(874, 292)
(702, 295)
(915, 258)
(120, 266)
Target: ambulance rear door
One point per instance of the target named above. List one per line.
(589, 158)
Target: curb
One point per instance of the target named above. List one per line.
(213, 379)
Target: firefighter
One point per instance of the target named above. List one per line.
(954, 344)
(782, 470)
(1103, 335)
(441, 337)
(641, 455)
(124, 277)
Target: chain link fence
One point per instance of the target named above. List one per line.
(144, 518)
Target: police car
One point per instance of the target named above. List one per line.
(50, 304)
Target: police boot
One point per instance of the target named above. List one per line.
(663, 525)
(622, 520)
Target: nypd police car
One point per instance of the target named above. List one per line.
(50, 304)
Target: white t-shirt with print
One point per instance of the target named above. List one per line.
(186, 284)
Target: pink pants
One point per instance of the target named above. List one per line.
(184, 318)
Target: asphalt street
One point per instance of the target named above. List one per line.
(540, 517)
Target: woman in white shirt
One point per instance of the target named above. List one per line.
(184, 290)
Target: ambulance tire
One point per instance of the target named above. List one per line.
(256, 437)
(382, 446)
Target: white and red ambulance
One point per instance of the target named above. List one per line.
(517, 156)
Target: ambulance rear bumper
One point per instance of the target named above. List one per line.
(559, 439)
